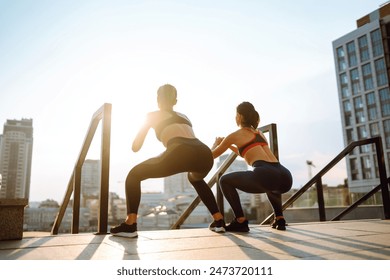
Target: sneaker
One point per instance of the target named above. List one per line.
(238, 227)
(217, 226)
(279, 224)
(125, 230)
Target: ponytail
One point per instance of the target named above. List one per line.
(250, 117)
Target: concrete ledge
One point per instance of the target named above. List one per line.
(11, 218)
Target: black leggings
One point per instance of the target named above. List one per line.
(181, 155)
(266, 177)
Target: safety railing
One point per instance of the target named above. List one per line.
(317, 181)
(273, 143)
(74, 186)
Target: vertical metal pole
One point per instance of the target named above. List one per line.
(273, 139)
(220, 197)
(320, 199)
(105, 170)
(383, 177)
(76, 199)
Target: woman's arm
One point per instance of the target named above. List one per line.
(141, 135)
(222, 144)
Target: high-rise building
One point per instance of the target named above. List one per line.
(362, 61)
(90, 178)
(16, 144)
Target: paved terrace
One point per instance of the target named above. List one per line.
(344, 240)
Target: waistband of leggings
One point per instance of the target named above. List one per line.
(258, 163)
(182, 140)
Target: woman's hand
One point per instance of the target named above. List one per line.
(217, 141)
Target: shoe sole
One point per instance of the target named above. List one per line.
(218, 229)
(279, 228)
(237, 230)
(126, 234)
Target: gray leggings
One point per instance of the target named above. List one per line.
(181, 155)
(266, 177)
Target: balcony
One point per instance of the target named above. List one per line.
(338, 240)
(365, 239)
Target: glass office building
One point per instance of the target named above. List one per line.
(362, 71)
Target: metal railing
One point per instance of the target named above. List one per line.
(273, 143)
(74, 186)
(317, 180)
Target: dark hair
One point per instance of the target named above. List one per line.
(166, 95)
(250, 117)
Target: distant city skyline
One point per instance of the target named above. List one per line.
(62, 60)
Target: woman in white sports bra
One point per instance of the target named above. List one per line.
(184, 153)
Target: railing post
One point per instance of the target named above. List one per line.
(273, 139)
(383, 177)
(74, 185)
(76, 199)
(320, 200)
(105, 170)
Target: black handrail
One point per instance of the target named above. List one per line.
(74, 186)
(317, 179)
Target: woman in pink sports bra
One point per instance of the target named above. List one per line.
(268, 175)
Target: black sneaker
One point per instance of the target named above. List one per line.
(238, 227)
(125, 230)
(279, 224)
(217, 226)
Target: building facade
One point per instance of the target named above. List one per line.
(90, 178)
(16, 145)
(362, 72)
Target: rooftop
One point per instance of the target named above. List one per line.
(343, 240)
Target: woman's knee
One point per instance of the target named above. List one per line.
(195, 177)
(133, 176)
(224, 182)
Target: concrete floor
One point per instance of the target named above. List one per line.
(344, 240)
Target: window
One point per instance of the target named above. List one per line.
(347, 106)
(365, 149)
(341, 59)
(386, 127)
(371, 106)
(358, 102)
(362, 132)
(344, 85)
(354, 169)
(363, 48)
(367, 77)
(374, 129)
(384, 95)
(380, 69)
(350, 136)
(347, 113)
(370, 97)
(351, 51)
(343, 79)
(372, 113)
(355, 81)
(359, 113)
(366, 167)
(345, 91)
(377, 45)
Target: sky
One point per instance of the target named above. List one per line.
(60, 61)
